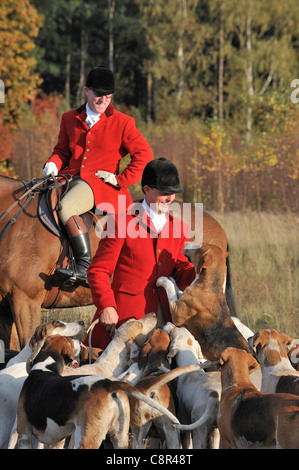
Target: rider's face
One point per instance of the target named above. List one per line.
(98, 104)
(157, 200)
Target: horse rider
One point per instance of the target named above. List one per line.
(91, 142)
(146, 244)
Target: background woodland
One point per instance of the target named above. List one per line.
(209, 83)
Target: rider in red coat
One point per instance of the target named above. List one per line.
(91, 142)
(139, 246)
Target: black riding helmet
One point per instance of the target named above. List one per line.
(163, 175)
(101, 80)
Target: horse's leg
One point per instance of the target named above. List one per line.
(8, 332)
(26, 314)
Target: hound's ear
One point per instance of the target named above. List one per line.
(285, 339)
(255, 344)
(223, 358)
(171, 354)
(134, 352)
(227, 254)
(143, 355)
(252, 364)
(260, 339)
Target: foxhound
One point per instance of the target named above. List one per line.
(116, 358)
(198, 394)
(51, 407)
(250, 419)
(202, 307)
(14, 375)
(278, 375)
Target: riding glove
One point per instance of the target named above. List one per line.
(49, 168)
(107, 177)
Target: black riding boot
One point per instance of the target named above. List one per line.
(79, 239)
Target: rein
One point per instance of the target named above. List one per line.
(37, 186)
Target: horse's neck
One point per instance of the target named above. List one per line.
(23, 355)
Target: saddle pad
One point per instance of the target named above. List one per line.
(47, 218)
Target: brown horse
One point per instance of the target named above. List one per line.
(29, 253)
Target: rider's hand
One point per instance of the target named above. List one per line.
(50, 168)
(107, 177)
(109, 319)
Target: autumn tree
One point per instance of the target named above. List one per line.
(19, 25)
(36, 135)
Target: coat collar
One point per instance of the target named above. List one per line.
(82, 111)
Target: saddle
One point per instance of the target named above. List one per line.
(48, 207)
(50, 191)
(49, 204)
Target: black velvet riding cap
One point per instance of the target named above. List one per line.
(101, 80)
(163, 175)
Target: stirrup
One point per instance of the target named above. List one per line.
(71, 277)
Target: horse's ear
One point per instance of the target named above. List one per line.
(227, 254)
(206, 252)
(204, 259)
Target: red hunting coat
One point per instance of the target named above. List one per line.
(83, 151)
(137, 256)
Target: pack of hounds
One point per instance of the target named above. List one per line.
(205, 381)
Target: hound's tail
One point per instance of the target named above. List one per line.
(213, 402)
(173, 374)
(114, 386)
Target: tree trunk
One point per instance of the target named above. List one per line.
(111, 8)
(220, 76)
(67, 87)
(181, 58)
(249, 79)
(84, 46)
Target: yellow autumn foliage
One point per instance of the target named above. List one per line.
(19, 25)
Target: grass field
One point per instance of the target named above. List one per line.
(265, 271)
(265, 268)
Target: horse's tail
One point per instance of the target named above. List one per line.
(229, 290)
